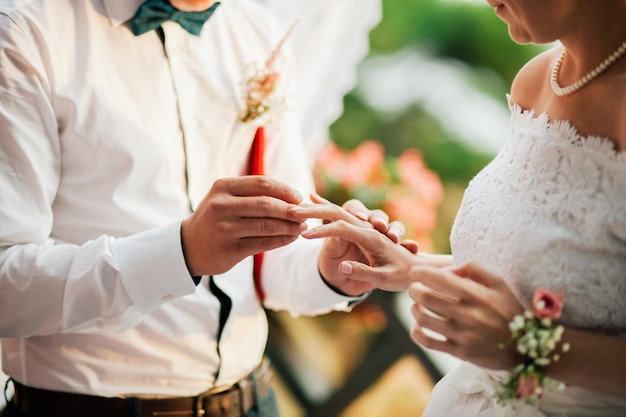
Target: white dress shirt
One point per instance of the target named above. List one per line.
(106, 140)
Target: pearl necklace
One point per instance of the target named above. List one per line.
(562, 91)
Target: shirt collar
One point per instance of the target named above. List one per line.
(119, 11)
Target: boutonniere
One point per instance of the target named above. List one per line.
(260, 85)
(538, 340)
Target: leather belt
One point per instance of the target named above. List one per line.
(233, 401)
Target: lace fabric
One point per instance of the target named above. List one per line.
(550, 211)
(469, 391)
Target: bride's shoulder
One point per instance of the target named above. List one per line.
(533, 79)
(597, 109)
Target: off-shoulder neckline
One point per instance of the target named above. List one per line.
(565, 130)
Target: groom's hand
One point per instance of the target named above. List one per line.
(239, 217)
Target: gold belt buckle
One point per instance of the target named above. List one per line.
(216, 400)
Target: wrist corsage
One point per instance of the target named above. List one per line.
(537, 339)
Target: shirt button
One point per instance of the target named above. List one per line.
(100, 324)
(167, 298)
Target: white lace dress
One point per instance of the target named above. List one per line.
(549, 211)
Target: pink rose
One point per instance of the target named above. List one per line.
(527, 386)
(547, 304)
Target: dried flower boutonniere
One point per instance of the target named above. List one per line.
(537, 340)
(260, 84)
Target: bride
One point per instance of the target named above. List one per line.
(548, 212)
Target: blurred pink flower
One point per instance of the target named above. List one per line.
(414, 173)
(352, 168)
(547, 304)
(403, 187)
(528, 386)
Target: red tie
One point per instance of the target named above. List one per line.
(256, 168)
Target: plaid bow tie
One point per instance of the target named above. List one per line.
(152, 13)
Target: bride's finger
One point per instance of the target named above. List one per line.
(427, 339)
(435, 303)
(396, 231)
(366, 237)
(446, 282)
(380, 220)
(357, 208)
(410, 245)
(318, 199)
(386, 277)
(328, 213)
(427, 319)
(376, 218)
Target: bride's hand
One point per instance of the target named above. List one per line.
(359, 256)
(470, 308)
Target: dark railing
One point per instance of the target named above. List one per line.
(389, 344)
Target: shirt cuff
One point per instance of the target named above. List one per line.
(354, 299)
(331, 296)
(152, 267)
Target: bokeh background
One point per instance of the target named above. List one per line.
(429, 110)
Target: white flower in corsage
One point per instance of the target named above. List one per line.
(537, 340)
(260, 84)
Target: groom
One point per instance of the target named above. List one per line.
(127, 226)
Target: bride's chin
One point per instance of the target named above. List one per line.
(519, 34)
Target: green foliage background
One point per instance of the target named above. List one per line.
(449, 30)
